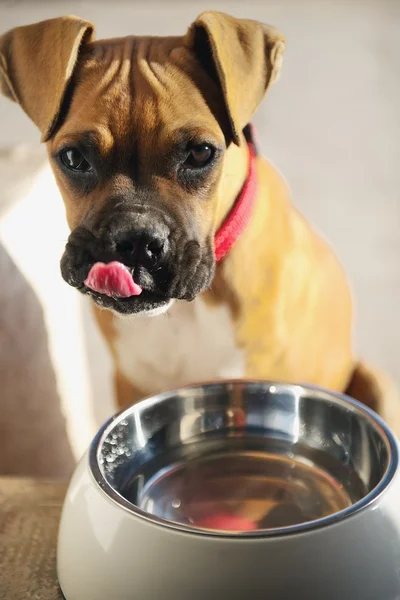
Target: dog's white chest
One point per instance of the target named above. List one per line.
(192, 342)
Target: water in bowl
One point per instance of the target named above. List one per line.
(235, 485)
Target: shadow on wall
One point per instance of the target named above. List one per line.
(33, 439)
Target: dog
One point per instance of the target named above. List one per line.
(175, 217)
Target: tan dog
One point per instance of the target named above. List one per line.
(146, 140)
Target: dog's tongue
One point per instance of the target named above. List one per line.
(112, 279)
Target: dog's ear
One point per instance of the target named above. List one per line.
(243, 56)
(36, 66)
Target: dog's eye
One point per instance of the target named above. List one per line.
(199, 156)
(74, 160)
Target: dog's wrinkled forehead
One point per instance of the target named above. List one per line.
(38, 64)
(142, 94)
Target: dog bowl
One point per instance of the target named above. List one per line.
(235, 490)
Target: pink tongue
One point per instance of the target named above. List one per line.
(112, 279)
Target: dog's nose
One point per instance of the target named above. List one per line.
(143, 247)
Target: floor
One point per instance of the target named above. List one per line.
(331, 125)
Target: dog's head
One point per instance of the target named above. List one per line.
(140, 133)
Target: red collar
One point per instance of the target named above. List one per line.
(239, 216)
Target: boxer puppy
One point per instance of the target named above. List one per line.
(172, 210)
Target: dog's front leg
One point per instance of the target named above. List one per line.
(126, 393)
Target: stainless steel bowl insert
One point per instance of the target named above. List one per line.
(244, 458)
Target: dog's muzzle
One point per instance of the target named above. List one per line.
(161, 259)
